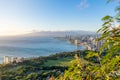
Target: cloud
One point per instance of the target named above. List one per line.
(83, 4)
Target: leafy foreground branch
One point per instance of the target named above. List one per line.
(102, 71)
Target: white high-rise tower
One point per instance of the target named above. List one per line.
(6, 59)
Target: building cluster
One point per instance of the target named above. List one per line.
(8, 59)
(89, 41)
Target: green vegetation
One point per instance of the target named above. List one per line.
(39, 68)
(44, 67)
(59, 62)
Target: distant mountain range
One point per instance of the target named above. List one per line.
(48, 34)
(60, 33)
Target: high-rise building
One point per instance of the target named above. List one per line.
(76, 42)
(6, 59)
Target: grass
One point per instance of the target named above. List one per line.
(62, 62)
(59, 62)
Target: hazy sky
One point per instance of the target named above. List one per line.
(23, 16)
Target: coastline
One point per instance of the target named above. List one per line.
(61, 46)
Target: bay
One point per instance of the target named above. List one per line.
(33, 47)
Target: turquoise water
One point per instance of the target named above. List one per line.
(33, 47)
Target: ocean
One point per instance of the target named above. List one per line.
(33, 47)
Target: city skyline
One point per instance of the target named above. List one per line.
(24, 16)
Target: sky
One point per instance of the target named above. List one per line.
(24, 16)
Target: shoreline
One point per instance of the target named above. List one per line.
(41, 55)
(52, 56)
(59, 53)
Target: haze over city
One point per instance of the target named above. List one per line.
(25, 16)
